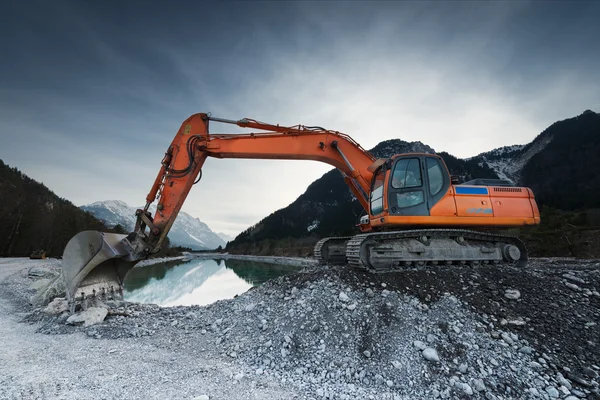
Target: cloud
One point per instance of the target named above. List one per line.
(93, 122)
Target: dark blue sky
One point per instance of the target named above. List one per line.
(91, 92)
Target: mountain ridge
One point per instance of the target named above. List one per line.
(187, 231)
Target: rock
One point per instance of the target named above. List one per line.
(578, 379)
(552, 392)
(370, 293)
(571, 398)
(479, 385)
(512, 294)
(39, 271)
(573, 287)
(517, 322)
(344, 297)
(419, 345)
(57, 306)
(367, 353)
(430, 354)
(250, 307)
(536, 365)
(396, 364)
(91, 316)
(389, 383)
(351, 307)
(563, 382)
(526, 350)
(462, 368)
(590, 372)
(56, 288)
(506, 337)
(464, 387)
(40, 284)
(573, 278)
(294, 290)
(564, 391)
(201, 397)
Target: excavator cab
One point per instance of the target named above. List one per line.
(409, 185)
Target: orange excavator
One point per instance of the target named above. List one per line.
(417, 214)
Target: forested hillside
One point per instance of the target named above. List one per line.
(32, 217)
(566, 173)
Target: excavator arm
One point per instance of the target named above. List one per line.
(192, 144)
(96, 262)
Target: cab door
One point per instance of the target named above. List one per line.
(407, 193)
(416, 184)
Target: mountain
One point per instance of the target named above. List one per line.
(560, 165)
(187, 231)
(32, 217)
(225, 237)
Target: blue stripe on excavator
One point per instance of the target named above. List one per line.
(470, 190)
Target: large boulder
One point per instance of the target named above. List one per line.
(91, 316)
(56, 288)
(57, 306)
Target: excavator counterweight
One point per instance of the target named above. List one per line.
(415, 213)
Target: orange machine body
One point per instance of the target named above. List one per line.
(501, 210)
(459, 206)
(439, 203)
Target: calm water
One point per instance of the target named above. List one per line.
(197, 281)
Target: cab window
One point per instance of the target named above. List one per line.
(377, 193)
(434, 172)
(407, 174)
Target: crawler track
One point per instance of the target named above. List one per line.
(332, 250)
(387, 251)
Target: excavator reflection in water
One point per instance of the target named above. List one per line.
(416, 214)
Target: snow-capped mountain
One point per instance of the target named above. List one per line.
(508, 161)
(390, 147)
(187, 231)
(225, 237)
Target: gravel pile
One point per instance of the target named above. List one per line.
(337, 333)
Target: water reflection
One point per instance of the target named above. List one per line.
(197, 281)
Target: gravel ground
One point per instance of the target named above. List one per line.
(326, 332)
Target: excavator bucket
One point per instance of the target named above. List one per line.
(95, 264)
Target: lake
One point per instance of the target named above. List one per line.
(198, 281)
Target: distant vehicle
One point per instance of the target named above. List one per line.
(38, 255)
(416, 213)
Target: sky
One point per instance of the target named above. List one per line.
(92, 92)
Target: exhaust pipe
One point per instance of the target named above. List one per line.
(95, 263)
